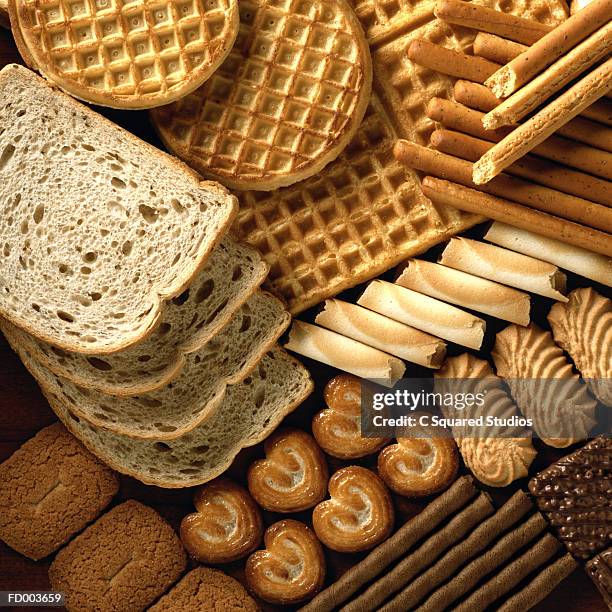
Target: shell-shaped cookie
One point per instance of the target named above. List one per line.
(337, 429)
(293, 476)
(416, 467)
(583, 328)
(291, 568)
(543, 385)
(227, 525)
(359, 514)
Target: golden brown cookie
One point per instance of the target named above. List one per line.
(359, 514)
(416, 467)
(293, 476)
(337, 429)
(227, 525)
(292, 567)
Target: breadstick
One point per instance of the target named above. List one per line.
(423, 312)
(458, 117)
(549, 48)
(457, 170)
(452, 63)
(491, 559)
(529, 167)
(382, 333)
(470, 200)
(578, 5)
(343, 353)
(496, 49)
(542, 87)
(466, 290)
(460, 492)
(544, 123)
(577, 260)
(506, 267)
(489, 20)
(479, 97)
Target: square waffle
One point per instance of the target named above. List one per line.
(364, 212)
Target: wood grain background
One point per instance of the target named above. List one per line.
(24, 411)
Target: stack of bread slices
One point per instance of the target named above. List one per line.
(122, 292)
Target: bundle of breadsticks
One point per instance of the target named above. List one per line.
(561, 189)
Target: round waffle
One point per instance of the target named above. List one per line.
(125, 53)
(288, 99)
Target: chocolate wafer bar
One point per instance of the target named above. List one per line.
(599, 570)
(575, 495)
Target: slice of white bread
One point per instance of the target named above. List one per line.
(250, 411)
(194, 395)
(231, 275)
(97, 228)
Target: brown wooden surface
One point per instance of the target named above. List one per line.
(23, 411)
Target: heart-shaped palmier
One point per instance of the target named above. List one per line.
(227, 525)
(291, 568)
(293, 476)
(416, 467)
(359, 514)
(337, 429)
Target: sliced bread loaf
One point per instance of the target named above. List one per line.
(230, 277)
(97, 228)
(250, 411)
(193, 396)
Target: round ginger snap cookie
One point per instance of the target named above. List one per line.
(130, 54)
(285, 103)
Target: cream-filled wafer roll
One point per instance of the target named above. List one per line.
(466, 290)
(424, 312)
(505, 267)
(580, 261)
(383, 333)
(344, 353)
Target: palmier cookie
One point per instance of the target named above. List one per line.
(227, 525)
(292, 567)
(337, 429)
(359, 514)
(416, 467)
(293, 476)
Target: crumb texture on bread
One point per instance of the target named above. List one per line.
(50, 489)
(123, 562)
(96, 227)
(250, 411)
(204, 589)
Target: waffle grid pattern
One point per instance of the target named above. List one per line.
(127, 47)
(296, 94)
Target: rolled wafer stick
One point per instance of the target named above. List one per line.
(489, 20)
(479, 97)
(424, 312)
(345, 354)
(458, 117)
(466, 290)
(577, 260)
(541, 198)
(470, 200)
(505, 266)
(551, 47)
(493, 558)
(530, 167)
(511, 575)
(544, 123)
(507, 516)
(497, 49)
(414, 530)
(450, 62)
(382, 333)
(455, 530)
(543, 584)
(539, 89)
